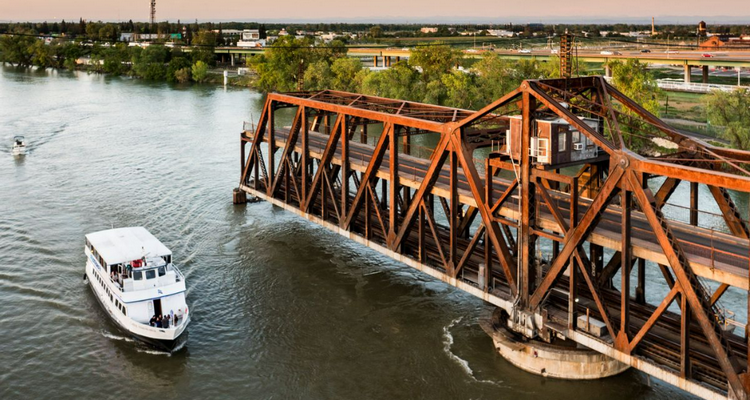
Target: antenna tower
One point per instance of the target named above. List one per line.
(566, 55)
(153, 12)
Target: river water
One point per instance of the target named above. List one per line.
(281, 308)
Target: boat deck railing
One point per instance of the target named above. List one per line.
(181, 318)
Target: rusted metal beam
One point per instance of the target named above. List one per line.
(369, 174)
(576, 237)
(475, 185)
(729, 211)
(394, 186)
(653, 318)
(328, 153)
(344, 168)
(679, 265)
(526, 238)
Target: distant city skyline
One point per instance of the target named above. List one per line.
(393, 11)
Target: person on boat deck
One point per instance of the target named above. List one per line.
(158, 321)
(152, 321)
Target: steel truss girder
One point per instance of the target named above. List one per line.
(476, 233)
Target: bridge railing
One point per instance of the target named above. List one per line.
(680, 85)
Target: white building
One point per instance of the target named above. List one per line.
(229, 32)
(428, 30)
(251, 38)
(500, 33)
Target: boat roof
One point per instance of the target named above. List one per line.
(126, 244)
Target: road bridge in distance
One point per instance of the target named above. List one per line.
(688, 60)
(538, 204)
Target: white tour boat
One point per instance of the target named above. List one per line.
(19, 146)
(131, 274)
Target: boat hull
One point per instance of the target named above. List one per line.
(164, 344)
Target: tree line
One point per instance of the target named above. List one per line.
(155, 62)
(436, 73)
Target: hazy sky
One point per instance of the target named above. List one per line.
(683, 11)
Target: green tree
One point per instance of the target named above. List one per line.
(636, 82)
(16, 49)
(204, 43)
(200, 71)
(732, 111)
(149, 63)
(109, 32)
(183, 75)
(434, 60)
(495, 77)
(348, 74)
(177, 63)
(283, 64)
(376, 32)
(40, 54)
(115, 58)
(398, 82)
(318, 76)
(461, 90)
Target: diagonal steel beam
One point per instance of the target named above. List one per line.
(370, 173)
(573, 240)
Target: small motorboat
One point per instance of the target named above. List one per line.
(19, 146)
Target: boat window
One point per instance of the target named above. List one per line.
(150, 274)
(162, 270)
(138, 275)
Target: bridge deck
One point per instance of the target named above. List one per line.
(713, 255)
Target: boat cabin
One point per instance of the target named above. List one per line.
(132, 258)
(554, 143)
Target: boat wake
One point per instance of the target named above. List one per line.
(448, 343)
(142, 349)
(117, 337)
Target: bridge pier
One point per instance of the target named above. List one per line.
(687, 73)
(704, 69)
(239, 196)
(563, 359)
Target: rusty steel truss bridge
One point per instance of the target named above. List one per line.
(546, 241)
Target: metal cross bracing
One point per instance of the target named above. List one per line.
(546, 241)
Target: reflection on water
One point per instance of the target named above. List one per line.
(280, 308)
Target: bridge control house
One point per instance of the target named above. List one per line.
(555, 143)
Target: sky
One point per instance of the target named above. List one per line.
(416, 11)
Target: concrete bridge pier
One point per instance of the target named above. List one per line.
(607, 71)
(375, 61)
(231, 59)
(704, 69)
(562, 359)
(687, 73)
